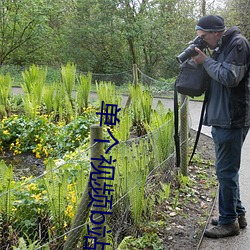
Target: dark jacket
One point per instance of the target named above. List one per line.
(228, 103)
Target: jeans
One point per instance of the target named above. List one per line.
(228, 145)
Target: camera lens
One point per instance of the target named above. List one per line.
(187, 53)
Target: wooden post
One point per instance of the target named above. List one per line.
(83, 209)
(135, 74)
(184, 135)
(96, 132)
(135, 82)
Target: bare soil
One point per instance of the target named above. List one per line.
(187, 223)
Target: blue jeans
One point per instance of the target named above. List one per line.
(228, 145)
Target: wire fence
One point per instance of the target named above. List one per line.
(40, 211)
(158, 87)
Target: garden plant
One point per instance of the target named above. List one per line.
(51, 122)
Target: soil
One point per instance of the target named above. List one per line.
(187, 223)
(25, 164)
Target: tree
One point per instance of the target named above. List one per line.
(20, 22)
(237, 13)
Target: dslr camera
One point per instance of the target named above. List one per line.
(190, 51)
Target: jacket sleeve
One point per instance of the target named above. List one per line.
(234, 66)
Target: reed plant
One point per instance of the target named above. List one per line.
(34, 80)
(131, 173)
(48, 97)
(6, 184)
(62, 106)
(122, 130)
(161, 130)
(68, 74)
(106, 92)
(56, 184)
(141, 106)
(83, 91)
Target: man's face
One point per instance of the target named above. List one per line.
(211, 38)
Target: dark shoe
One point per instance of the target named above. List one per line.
(241, 219)
(221, 231)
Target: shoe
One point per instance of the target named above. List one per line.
(221, 231)
(241, 219)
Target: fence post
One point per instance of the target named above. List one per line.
(135, 82)
(135, 74)
(184, 135)
(96, 132)
(83, 209)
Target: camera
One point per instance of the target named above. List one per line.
(190, 51)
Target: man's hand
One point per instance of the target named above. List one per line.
(200, 58)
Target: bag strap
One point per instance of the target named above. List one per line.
(176, 126)
(199, 127)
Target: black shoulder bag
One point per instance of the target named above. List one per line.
(191, 81)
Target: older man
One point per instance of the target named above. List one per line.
(228, 112)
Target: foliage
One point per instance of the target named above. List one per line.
(23, 28)
(68, 74)
(147, 241)
(22, 245)
(6, 184)
(161, 126)
(51, 201)
(141, 110)
(43, 206)
(30, 204)
(34, 81)
(105, 36)
(107, 93)
(5, 90)
(83, 91)
(43, 137)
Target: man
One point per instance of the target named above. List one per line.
(228, 112)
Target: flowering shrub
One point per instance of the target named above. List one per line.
(43, 137)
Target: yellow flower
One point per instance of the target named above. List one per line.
(37, 196)
(38, 155)
(14, 209)
(73, 199)
(69, 211)
(6, 132)
(31, 187)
